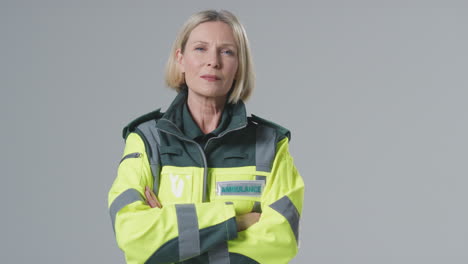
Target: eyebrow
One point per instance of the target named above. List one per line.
(222, 44)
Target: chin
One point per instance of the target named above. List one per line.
(210, 91)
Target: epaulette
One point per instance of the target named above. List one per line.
(282, 131)
(132, 125)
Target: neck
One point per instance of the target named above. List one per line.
(205, 111)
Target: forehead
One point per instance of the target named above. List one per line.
(213, 31)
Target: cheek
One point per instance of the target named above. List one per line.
(232, 69)
(191, 66)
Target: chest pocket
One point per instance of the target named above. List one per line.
(176, 183)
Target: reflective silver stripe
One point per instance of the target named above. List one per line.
(257, 207)
(219, 254)
(189, 234)
(286, 208)
(151, 134)
(265, 148)
(127, 197)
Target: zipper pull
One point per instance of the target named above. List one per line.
(131, 155)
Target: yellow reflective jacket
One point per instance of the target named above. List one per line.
(247, 167)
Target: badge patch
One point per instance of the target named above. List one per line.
(245, 188)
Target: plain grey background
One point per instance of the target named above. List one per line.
(375, 96)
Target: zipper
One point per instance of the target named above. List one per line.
(224, 133)
(202, 150)
(131, 155)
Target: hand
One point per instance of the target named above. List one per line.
(246, 220)
(151, 198)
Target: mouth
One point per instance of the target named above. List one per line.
(210, 78)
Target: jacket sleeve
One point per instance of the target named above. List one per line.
(274, 238)
(161, 235)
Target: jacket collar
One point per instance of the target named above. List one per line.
(172, 120)
(191, 129)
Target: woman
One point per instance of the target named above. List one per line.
(202, 182)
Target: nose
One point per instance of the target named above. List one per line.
(213, 60)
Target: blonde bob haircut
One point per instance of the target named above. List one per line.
(243, 83)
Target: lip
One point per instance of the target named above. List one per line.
(210, 78)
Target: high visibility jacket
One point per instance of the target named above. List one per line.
(246, 168)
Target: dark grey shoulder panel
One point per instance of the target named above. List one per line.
(282, 131)
(150, 134)
(265, 148)
(132, 125)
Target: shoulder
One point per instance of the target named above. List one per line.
(154, 115)
(281, 132)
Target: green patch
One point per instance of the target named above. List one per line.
(241, 189)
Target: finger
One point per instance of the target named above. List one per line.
(153, 195)
(155, 199)
(257, 216)
(150, 199)
(148, 195)
(152, 204)
(148, 192)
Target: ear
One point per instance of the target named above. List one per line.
(180, 60)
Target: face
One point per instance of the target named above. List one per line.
(209, 60)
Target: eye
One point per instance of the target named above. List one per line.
(200, 48)
(228, 52)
